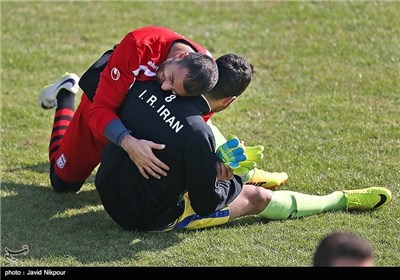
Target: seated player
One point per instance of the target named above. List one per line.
(199, 191)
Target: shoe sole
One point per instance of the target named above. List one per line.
(274, 187)
(71, 78)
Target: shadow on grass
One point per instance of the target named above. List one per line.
(44, 167)
(73, 227)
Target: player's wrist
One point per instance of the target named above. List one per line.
(122, 136)
(115, 131)
(126, 140)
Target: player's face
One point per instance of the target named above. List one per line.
(171, 77)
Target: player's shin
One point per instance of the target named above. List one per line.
(288, 204)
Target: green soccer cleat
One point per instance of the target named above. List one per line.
(366, 199)
(266, 179)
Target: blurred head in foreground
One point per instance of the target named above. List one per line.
(343, 249)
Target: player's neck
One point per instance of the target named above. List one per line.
(217, 105)
(179, 47)
(214, 105)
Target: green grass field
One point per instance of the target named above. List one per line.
(325, 102)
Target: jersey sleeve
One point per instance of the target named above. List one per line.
(206, 193)
(115, 81)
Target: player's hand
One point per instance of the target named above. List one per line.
(224, 173)
(245, 169)
(232, 152)
(253, 154)
(141, 153)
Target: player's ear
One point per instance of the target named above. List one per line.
(180, 55)
(228, 100)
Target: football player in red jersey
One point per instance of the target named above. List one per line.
(78, 137)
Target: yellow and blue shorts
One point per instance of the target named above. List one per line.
(190, 220)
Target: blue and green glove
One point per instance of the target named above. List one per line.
(232, 152)
(246, 168)
(241, 159)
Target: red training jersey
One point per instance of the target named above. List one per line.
(137, 57)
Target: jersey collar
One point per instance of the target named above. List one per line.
(201, 103)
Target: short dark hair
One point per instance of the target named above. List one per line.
(339, 245)
(202, 75)
(235, 74)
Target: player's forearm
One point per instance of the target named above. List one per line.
(116, 131)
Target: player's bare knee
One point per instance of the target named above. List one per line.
(258, 197)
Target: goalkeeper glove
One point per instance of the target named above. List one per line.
(246, 168)
(232, 152)
(254, 153)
